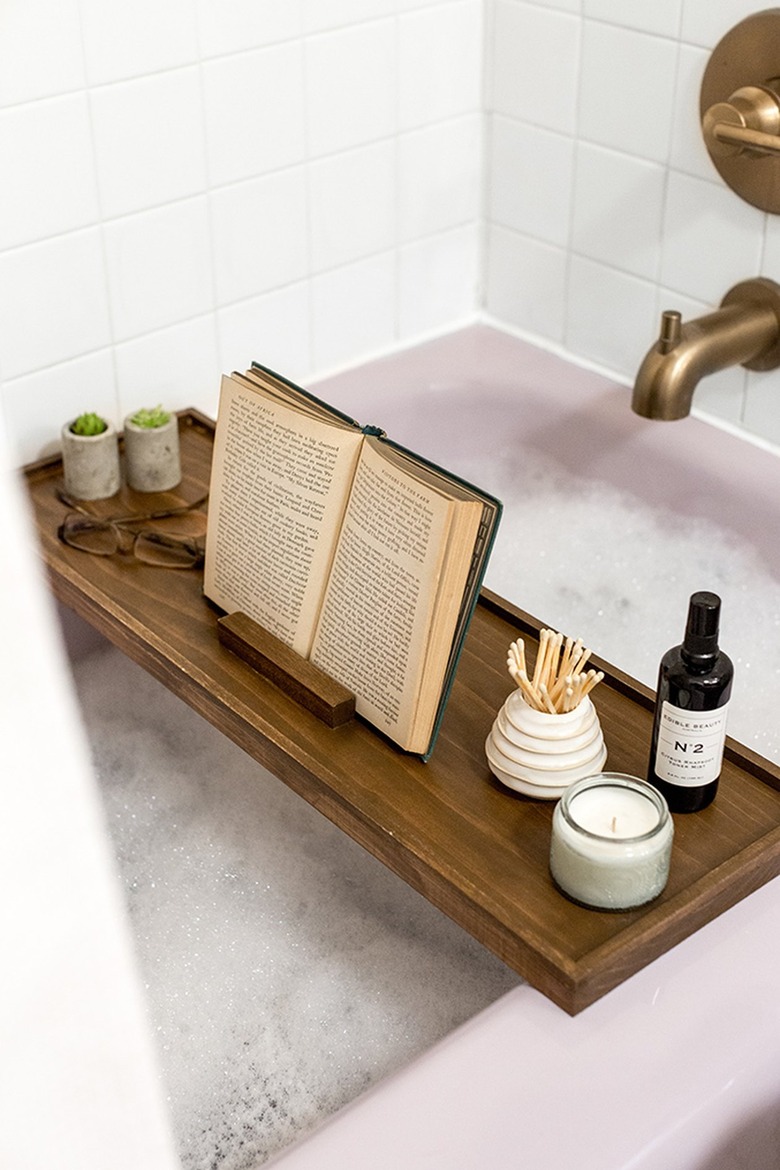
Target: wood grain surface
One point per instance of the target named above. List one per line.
(476, 850)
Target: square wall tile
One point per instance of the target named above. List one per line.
(260, 234)
(254, 112)
(350, 87)
(439, 176)
(440, 63)
(143, 158)
(711, 239)
(437, 283)
(761, 414)
(130, 40)
(526, 283)
(159, 267)
(618, 210)
(688, 152)
(662, 16)
(319, 15)
(177, 367)
(535, 59)
(272, 329)
(352, 198)
(353, 312)
(627, 90)
(530, 182)
(704, 23)
(46, 147)
(53, 303)
(37, 406)
(40, 50)
(770, 265)
(238, 25)
(610, 316)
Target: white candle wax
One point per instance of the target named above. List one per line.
(611, 842)
(614, 812)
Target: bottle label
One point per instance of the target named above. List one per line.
(690, 745)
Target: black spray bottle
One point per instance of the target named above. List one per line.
(694, 687)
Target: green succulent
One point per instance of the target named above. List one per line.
(89, 423)
(156, 417)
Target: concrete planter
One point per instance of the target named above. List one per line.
(152, 459)
(90, 463)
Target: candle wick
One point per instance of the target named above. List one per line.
(614, 824)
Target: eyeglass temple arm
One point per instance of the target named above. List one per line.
(160, 515)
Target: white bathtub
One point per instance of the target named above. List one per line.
(611, 521)
(680, 1066)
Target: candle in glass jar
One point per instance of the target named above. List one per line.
(611, 842)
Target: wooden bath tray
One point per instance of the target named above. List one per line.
(476, 850)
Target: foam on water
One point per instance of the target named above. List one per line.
(597, 563)
(286, 969)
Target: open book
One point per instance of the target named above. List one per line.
(364, 558)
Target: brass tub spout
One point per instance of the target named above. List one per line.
(745, 330)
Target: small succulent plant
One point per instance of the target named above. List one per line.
(89, 423)
(150, 418)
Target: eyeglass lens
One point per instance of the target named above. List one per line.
(103, 538)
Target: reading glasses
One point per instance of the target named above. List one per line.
(105, 536)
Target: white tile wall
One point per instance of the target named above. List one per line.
(651, 225)
(193, 184)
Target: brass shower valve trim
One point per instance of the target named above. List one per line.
(740, 109)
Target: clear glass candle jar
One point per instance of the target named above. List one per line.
(611, 842)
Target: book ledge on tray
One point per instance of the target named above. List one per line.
(304, 682)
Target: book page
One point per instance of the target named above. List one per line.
(280, 480)
(372, 633)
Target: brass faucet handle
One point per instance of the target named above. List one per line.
(748, 122)
(671, 330)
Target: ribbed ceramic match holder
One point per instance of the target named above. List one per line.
(541, 754)
(539, 751)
